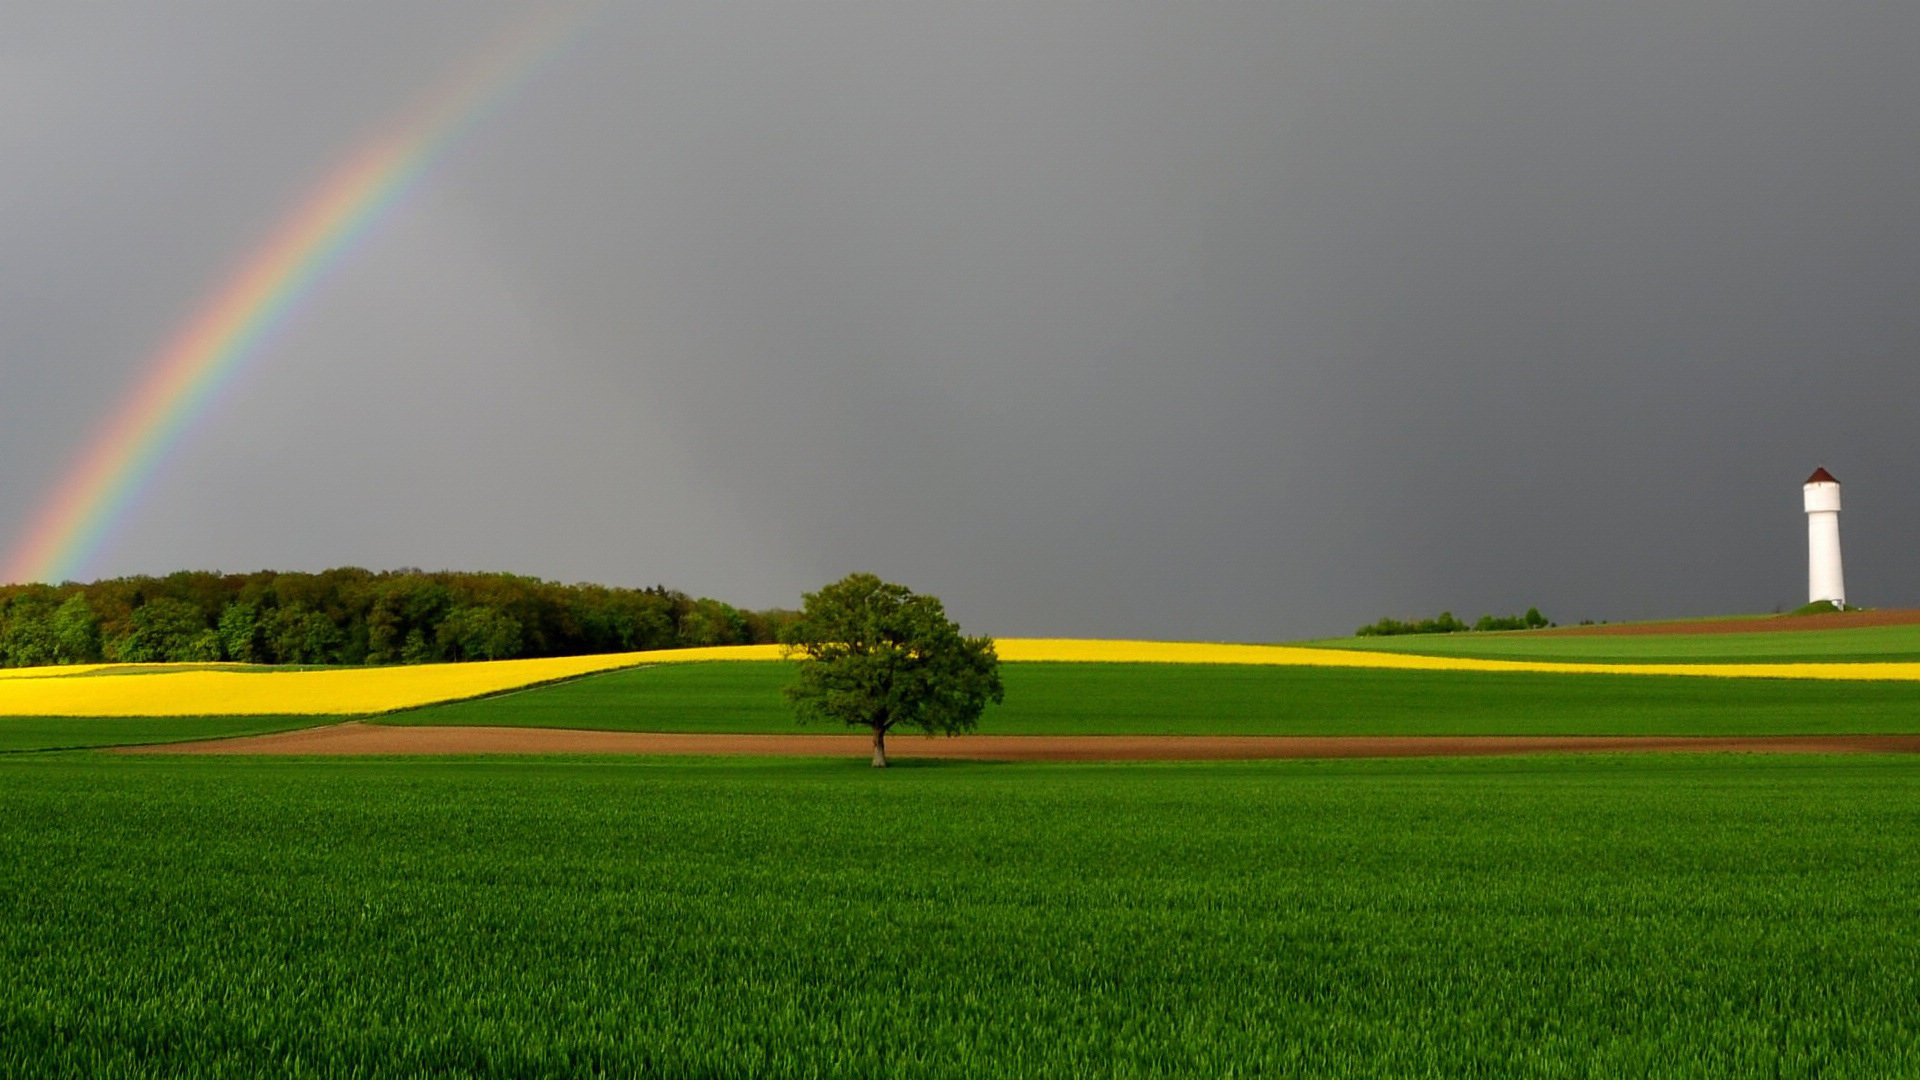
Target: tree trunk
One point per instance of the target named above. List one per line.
(879, 747)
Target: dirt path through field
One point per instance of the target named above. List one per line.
(359, 739)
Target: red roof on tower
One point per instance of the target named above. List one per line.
(1821, 476)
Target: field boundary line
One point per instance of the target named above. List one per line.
(495, 695)
(357, 738)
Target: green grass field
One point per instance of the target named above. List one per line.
(1135, 699)
(19, 733)
(1544, 917)
(1132, 699)
(1774, 647)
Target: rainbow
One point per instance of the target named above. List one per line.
(185, 376)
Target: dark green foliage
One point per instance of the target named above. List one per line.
(710, 622)
(161, 629)
(1689, 917)
(76, 631)
(352, 616)
(478, 633)
(1445, 623)
(1225, 699)
(1820, 607)
(877, 655)
(242, 638)
(26, 631)
(40, 625)
(1532, 620)
(298, 634)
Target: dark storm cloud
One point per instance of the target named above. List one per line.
(1241, 321)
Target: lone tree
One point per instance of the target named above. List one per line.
(876, 655)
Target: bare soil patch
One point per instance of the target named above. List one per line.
(363, 739)
(1838, 620)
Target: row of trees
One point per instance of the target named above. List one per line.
(1445, 623)
(354, 616)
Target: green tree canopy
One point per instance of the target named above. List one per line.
(877, 655)
(162, 629)
(352, 616)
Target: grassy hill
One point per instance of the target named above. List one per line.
(1062, 698)
(1871, 643)
(1217, 699)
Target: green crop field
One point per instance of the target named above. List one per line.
(1535, 917)
(19, 733)
(1135, 699)
(1194, 699)
(1872, 643)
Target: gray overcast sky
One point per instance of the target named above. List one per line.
(1239, 321)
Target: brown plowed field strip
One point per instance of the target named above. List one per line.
(1839, 620)
(360, 739)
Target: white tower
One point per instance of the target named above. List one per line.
(1823, 540)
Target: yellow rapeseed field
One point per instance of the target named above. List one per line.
(235, 690)
(1181, 652)
(43, 672)
(231, 690)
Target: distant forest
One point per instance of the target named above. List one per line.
(1445, 623)
(354, 616)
